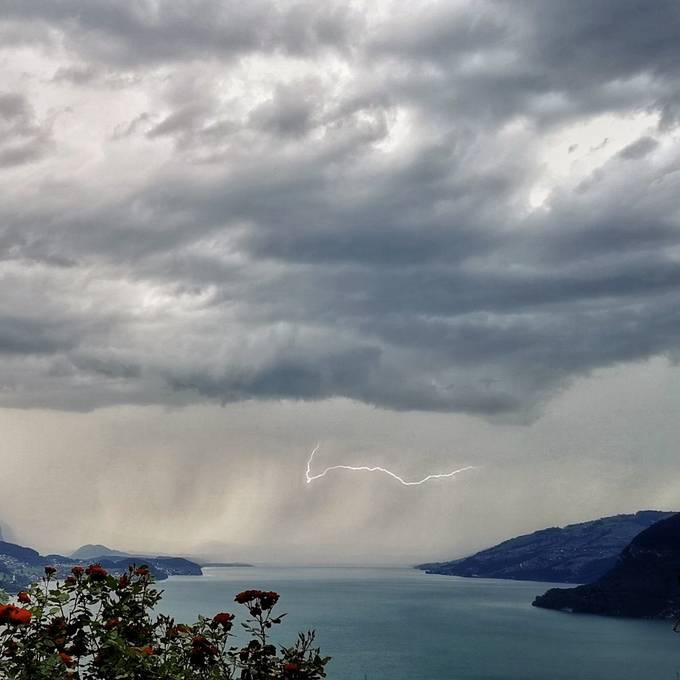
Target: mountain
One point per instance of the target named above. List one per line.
(164, 564)
(20, 566)
(21, 554)
(92, 551)
(644, 583)
(577, 553)
(161, 567)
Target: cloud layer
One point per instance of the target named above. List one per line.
(447, 207)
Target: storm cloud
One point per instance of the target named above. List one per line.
(425, 235)
(447, 207)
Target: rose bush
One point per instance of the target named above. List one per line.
(94, 625)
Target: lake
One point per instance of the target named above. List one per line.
(402, 624)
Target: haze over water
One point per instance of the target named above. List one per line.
(401, 624)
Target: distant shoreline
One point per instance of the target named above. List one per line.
(225, 564)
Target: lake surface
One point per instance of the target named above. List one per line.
(401, 624)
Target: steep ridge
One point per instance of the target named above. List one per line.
(644, 583)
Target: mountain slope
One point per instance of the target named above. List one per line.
(643, 583)
(577, 553)
(21, 554)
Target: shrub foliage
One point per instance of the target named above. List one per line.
(98, 626)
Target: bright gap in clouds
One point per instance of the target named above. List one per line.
(573, 153)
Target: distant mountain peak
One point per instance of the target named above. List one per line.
(91, 551)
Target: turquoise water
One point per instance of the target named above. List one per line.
(401, 624)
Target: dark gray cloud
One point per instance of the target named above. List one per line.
(550, 62)
(289, 111)
(32, 336)
(307, 201)
(22, 138)
(130, 33)
(639, 148)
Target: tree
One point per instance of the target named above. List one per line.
(99, 626)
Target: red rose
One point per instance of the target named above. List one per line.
(148, 651)
(223, 619)
(112, 623)
(124, 581)
(20, 616)
(66, 659)
(24, 597)
(14, 615)
(290, 666)
(77, 571)
(142, 571)
(201, 646)
(247, 596)
(50, 571)
(96, 572)
(262, 600)
(269, 599)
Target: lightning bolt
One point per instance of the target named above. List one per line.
(365, 468)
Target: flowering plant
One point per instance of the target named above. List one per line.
(94, 625)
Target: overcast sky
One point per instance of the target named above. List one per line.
(424, 234)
